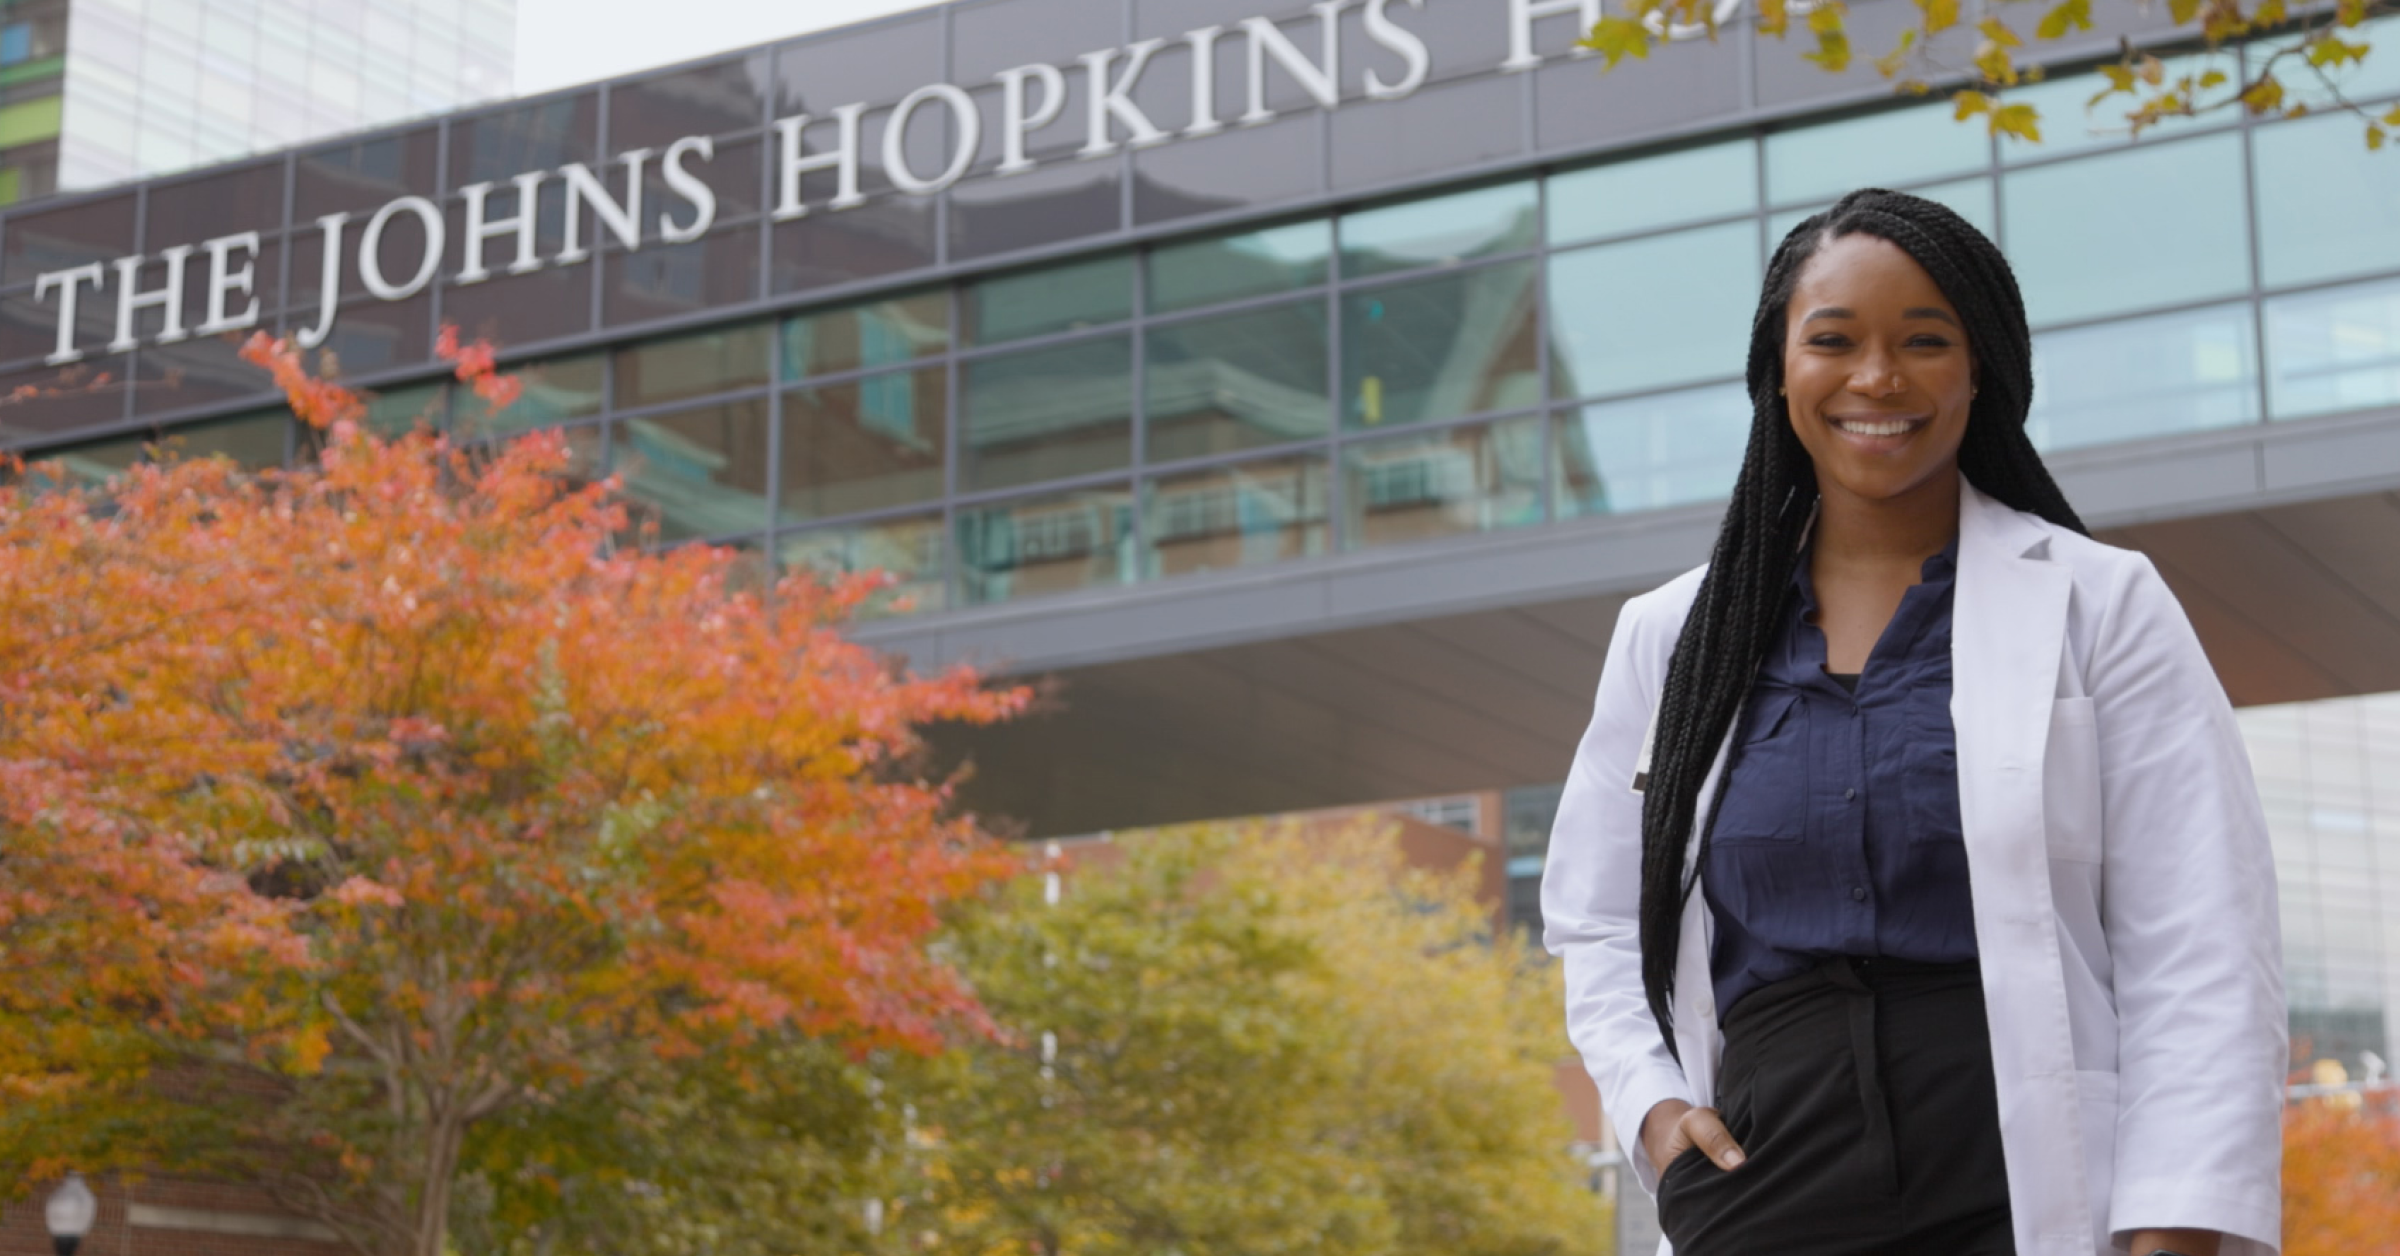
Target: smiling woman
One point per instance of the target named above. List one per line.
(1896, 734)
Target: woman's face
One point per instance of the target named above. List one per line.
(1876, 370)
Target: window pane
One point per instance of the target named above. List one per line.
(1049, 413)
(1972, 198)
(1628, 196)
(1653, 312)
(398, 411)
(1649, 452)
(2078, 261)
(1243, 516)
(1046, 545)
(554, 392)
(2334, 350)
(1820, 163)
(908, 550)
(863, 445)
(1060, 298)
(1237, 381)
(692, 366)
(2182, 372)
(695, 473)
(2378, 76)
(2326, 209)
(1458, 480)
(1442, 231)
(1228, 268)
(253, 442)
(879, 333)
(1439, 348)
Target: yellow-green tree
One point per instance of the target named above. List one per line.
(1250, 1041)
(2271, 58)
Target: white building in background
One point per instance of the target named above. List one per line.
(2329, 774)
(94, 92)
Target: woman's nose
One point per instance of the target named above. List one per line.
(1877, 378)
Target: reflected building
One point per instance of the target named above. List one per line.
(95, 92)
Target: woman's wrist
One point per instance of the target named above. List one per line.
(2176, 1242)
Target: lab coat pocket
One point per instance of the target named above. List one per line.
(2071, 782)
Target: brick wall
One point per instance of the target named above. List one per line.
(162, 1217)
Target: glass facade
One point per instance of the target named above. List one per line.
(1512, 351)
(152, 86)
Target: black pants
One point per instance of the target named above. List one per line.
(1862, 1095)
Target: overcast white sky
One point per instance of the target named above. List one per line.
(564, 42)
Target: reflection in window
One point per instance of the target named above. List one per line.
(1059, 298)
(1228, 268)
(2074, 263)
(692, 366)
(1897, 146)
(1439, 348)
(554, 391)
(1445, 483)
(1442, 231)
(1649, 452)
(1653, 312)
(2325, 210)
(1623, 197)
(878, 333)
(252, 442)
(1240, 516)
(1042, 545)
(863, 445)
(694, 473)
(2334, 350)
(1048, 413)
(907, 551)
(398, 411)
(1240, 380)
(2184, 372)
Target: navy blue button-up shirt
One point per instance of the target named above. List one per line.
(1839, 831)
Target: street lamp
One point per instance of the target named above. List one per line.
(69, 1213)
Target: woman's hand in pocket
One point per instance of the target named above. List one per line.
(1674, 1127)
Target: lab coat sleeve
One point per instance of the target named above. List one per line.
(1591, 890)
(2189, 907)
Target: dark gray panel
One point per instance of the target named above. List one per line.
(359, 175)
(2255, 666)
(2287, 594)
(221, 202)
(1874, 27)
(711, 99)
(201, 371)
(890, 235)
(1052, 205)
(2357, 537)
(1247, 167)
(371, 335)
(500, 144)
(988, 36)
(92, 231)
(1577, 104)
(1439, 128)
(513, 309)
(877, 65)
(1463, 38)
(71, 399)
(668, 280)
(1171, 18)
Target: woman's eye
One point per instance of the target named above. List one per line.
(1829, 340)
(1929, 342)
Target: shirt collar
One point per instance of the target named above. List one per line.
(1937, 570)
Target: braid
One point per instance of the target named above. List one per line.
(1740, 604)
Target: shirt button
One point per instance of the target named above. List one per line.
(1858, 893)
(1849, 794)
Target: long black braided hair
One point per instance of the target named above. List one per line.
(1740, 603)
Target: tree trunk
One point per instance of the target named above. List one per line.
(430, 1229)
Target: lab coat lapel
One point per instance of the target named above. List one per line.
(2009, 622)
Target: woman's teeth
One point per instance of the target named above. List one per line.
(1875, 427)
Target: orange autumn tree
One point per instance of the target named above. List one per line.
(2341, 1176)
(347, 808)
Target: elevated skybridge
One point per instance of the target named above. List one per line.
(1470, 663)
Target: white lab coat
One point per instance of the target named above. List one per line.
(2124, 890)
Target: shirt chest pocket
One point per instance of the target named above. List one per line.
(1766, 790)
